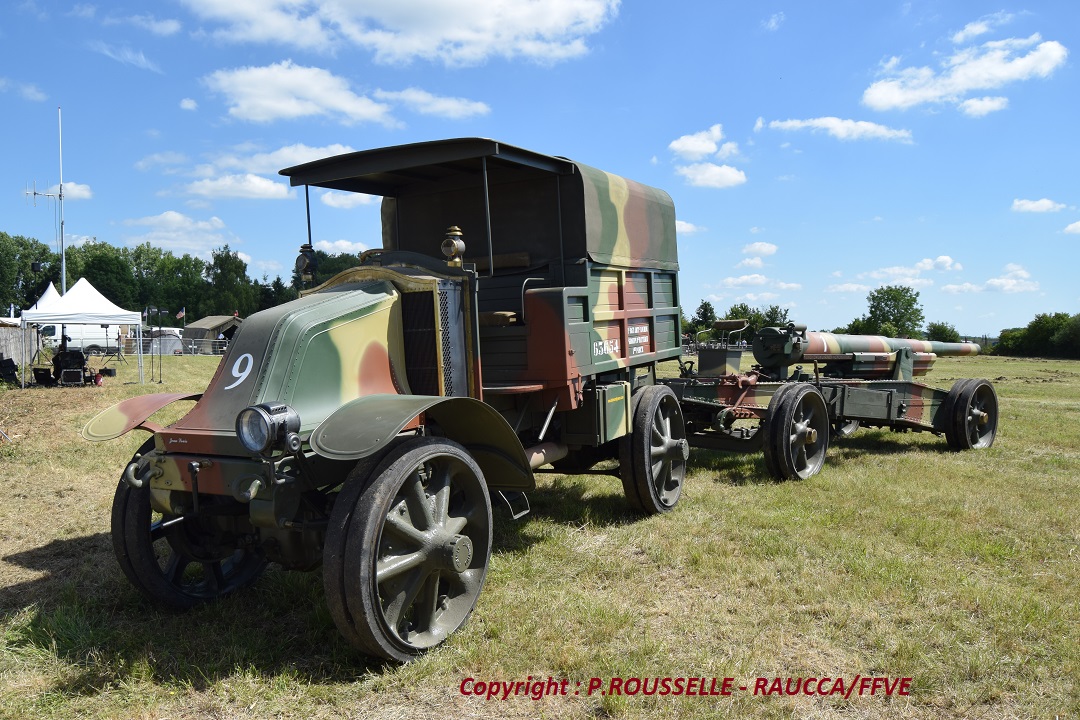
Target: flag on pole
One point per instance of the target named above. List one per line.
(181, 313)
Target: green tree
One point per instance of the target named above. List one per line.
(942, 332)
(1067, 339)
(704, 317)
(106, 268)
(19, 284)
(894, 311)
(230, 288)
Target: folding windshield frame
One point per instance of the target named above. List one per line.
(423, 167)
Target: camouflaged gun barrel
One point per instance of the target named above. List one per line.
(866, 356)
(823, 343)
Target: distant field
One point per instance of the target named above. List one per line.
(901, 559)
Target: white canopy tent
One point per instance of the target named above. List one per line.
(81, 305)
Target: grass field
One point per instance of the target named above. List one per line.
(901, 559)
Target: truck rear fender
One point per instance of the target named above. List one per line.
(129, 414)
(363, 426)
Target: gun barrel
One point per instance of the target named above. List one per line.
(821, 343)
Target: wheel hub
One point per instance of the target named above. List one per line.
(455, 553)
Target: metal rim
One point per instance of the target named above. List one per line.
(667, 449)
(174, 560)
(980, 417)
(433, 545)
(798, 429)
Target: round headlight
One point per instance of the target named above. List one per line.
(261, 428)
(253, 429)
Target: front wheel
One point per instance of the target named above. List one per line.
(178, 561)
(407, 549)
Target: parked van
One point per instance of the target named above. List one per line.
(91, 339)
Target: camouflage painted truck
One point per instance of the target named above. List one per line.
(514, 316)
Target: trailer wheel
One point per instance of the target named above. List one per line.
(407, 549)
(653, 457)
(844, 428)
(176, 564)
(971, 415)
(796, 432)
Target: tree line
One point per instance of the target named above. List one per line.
(145, 276)
(895, 311)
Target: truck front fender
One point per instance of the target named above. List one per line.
(130, 413)
(363, 426)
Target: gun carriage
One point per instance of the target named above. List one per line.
(514, 316)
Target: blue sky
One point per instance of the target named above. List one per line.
(814, 151)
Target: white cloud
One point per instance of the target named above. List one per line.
(162, 28)
(787, 286)
(845, 129)
(455, 32)
(425, 103)
(981, 26)
(73, 191)
(346, 201)
(337, 247)
(744, 280)
(754, 262)
(181, 234)
(167, 158)
(684, 228)
(125, 55)
(698, 145)
(268, 163)
(1074, 228)
(252, 187)
(757, 297)
(759, 124)
(712, 175)
(759, 248)
(188, 104)
(847, 288)
(288, 91)
(978, 107)
(941, 262)
(986, 67)
(1015, 279)
(911, 275)
(26, 90)
(774, 22)
(1036, 206)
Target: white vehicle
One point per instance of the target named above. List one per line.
(91, 339)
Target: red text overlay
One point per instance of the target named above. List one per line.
(537, 688)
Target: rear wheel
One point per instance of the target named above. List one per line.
(178, 561)
(971, 414)
(653, 457)
(796, 432)
(407, 549)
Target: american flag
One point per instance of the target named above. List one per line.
(181, 313)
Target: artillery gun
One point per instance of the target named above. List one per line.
(808, 387)
(514, 316)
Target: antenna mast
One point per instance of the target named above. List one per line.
(60, 195)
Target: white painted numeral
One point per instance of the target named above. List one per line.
(241, 373)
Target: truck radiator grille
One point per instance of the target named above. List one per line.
(447, 343)
(421, 355)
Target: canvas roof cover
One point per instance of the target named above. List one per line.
(552, 208)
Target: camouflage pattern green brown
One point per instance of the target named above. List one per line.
(826, 343)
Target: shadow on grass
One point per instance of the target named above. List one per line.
(85, 613)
